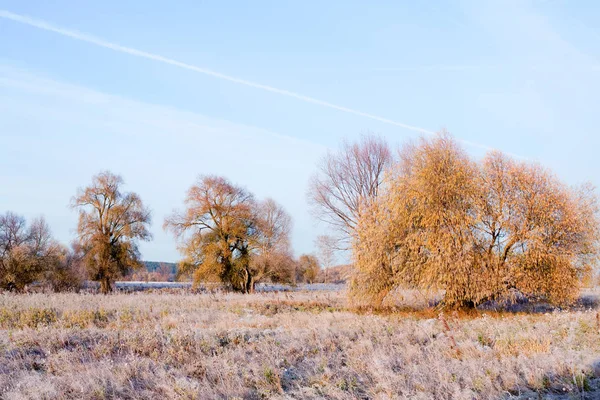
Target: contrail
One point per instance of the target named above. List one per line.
(40, 24)
(135, 52)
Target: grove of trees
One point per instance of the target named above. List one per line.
(225, 234)
(428, 217)
(29, 254)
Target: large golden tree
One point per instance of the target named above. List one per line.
(111, 222)
(476, 230)
(227, 236)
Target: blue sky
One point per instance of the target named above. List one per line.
(285, 82)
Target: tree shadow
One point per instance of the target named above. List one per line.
(588, 300)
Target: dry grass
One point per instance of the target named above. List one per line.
(284, 345)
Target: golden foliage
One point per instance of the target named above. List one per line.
(110, 224)
(308, 268)
(28, 254)
(477, 230)
(226, 236)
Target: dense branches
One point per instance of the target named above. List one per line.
(475, 230)
(226, 236)
(110, 224)
(28, 254)
(272, 255)
(348, 181)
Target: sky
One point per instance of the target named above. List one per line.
(258, 92)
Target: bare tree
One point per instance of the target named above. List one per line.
(13, 232)
(111, 223)
(347, 181)
(164, 272)
(326, 249)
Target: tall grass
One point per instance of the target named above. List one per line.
(284, 345)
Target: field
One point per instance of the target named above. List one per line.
(286, 345)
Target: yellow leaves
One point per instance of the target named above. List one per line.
(110, 224)
(227, 236)
(476, 230)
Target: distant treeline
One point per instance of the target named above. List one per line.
(159, 271)
(155, 266)
(153, 271)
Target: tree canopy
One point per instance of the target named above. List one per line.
(308, 268)
(476, 230)
(227, 236)
(111, 222)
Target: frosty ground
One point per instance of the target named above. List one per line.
(287, 345)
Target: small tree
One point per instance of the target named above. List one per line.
(326, 247)
(271, 256)
(164, 272)
(111, 223)
(475, 230)
(69, 273)
(308, 268)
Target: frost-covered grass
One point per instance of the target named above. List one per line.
(285, 345)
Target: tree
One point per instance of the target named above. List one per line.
(308, 268)
(271, 252)
(215, 232)
(69, 273)
(13, 232)
(226, 236)
(477, 231)
(111, 223)
(276, 267)
(346, 182)
(26, 253)
(164, 273)
(326, 247)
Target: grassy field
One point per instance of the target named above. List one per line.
(286, 345)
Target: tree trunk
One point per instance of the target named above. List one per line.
(249, 284)
(105, 285)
